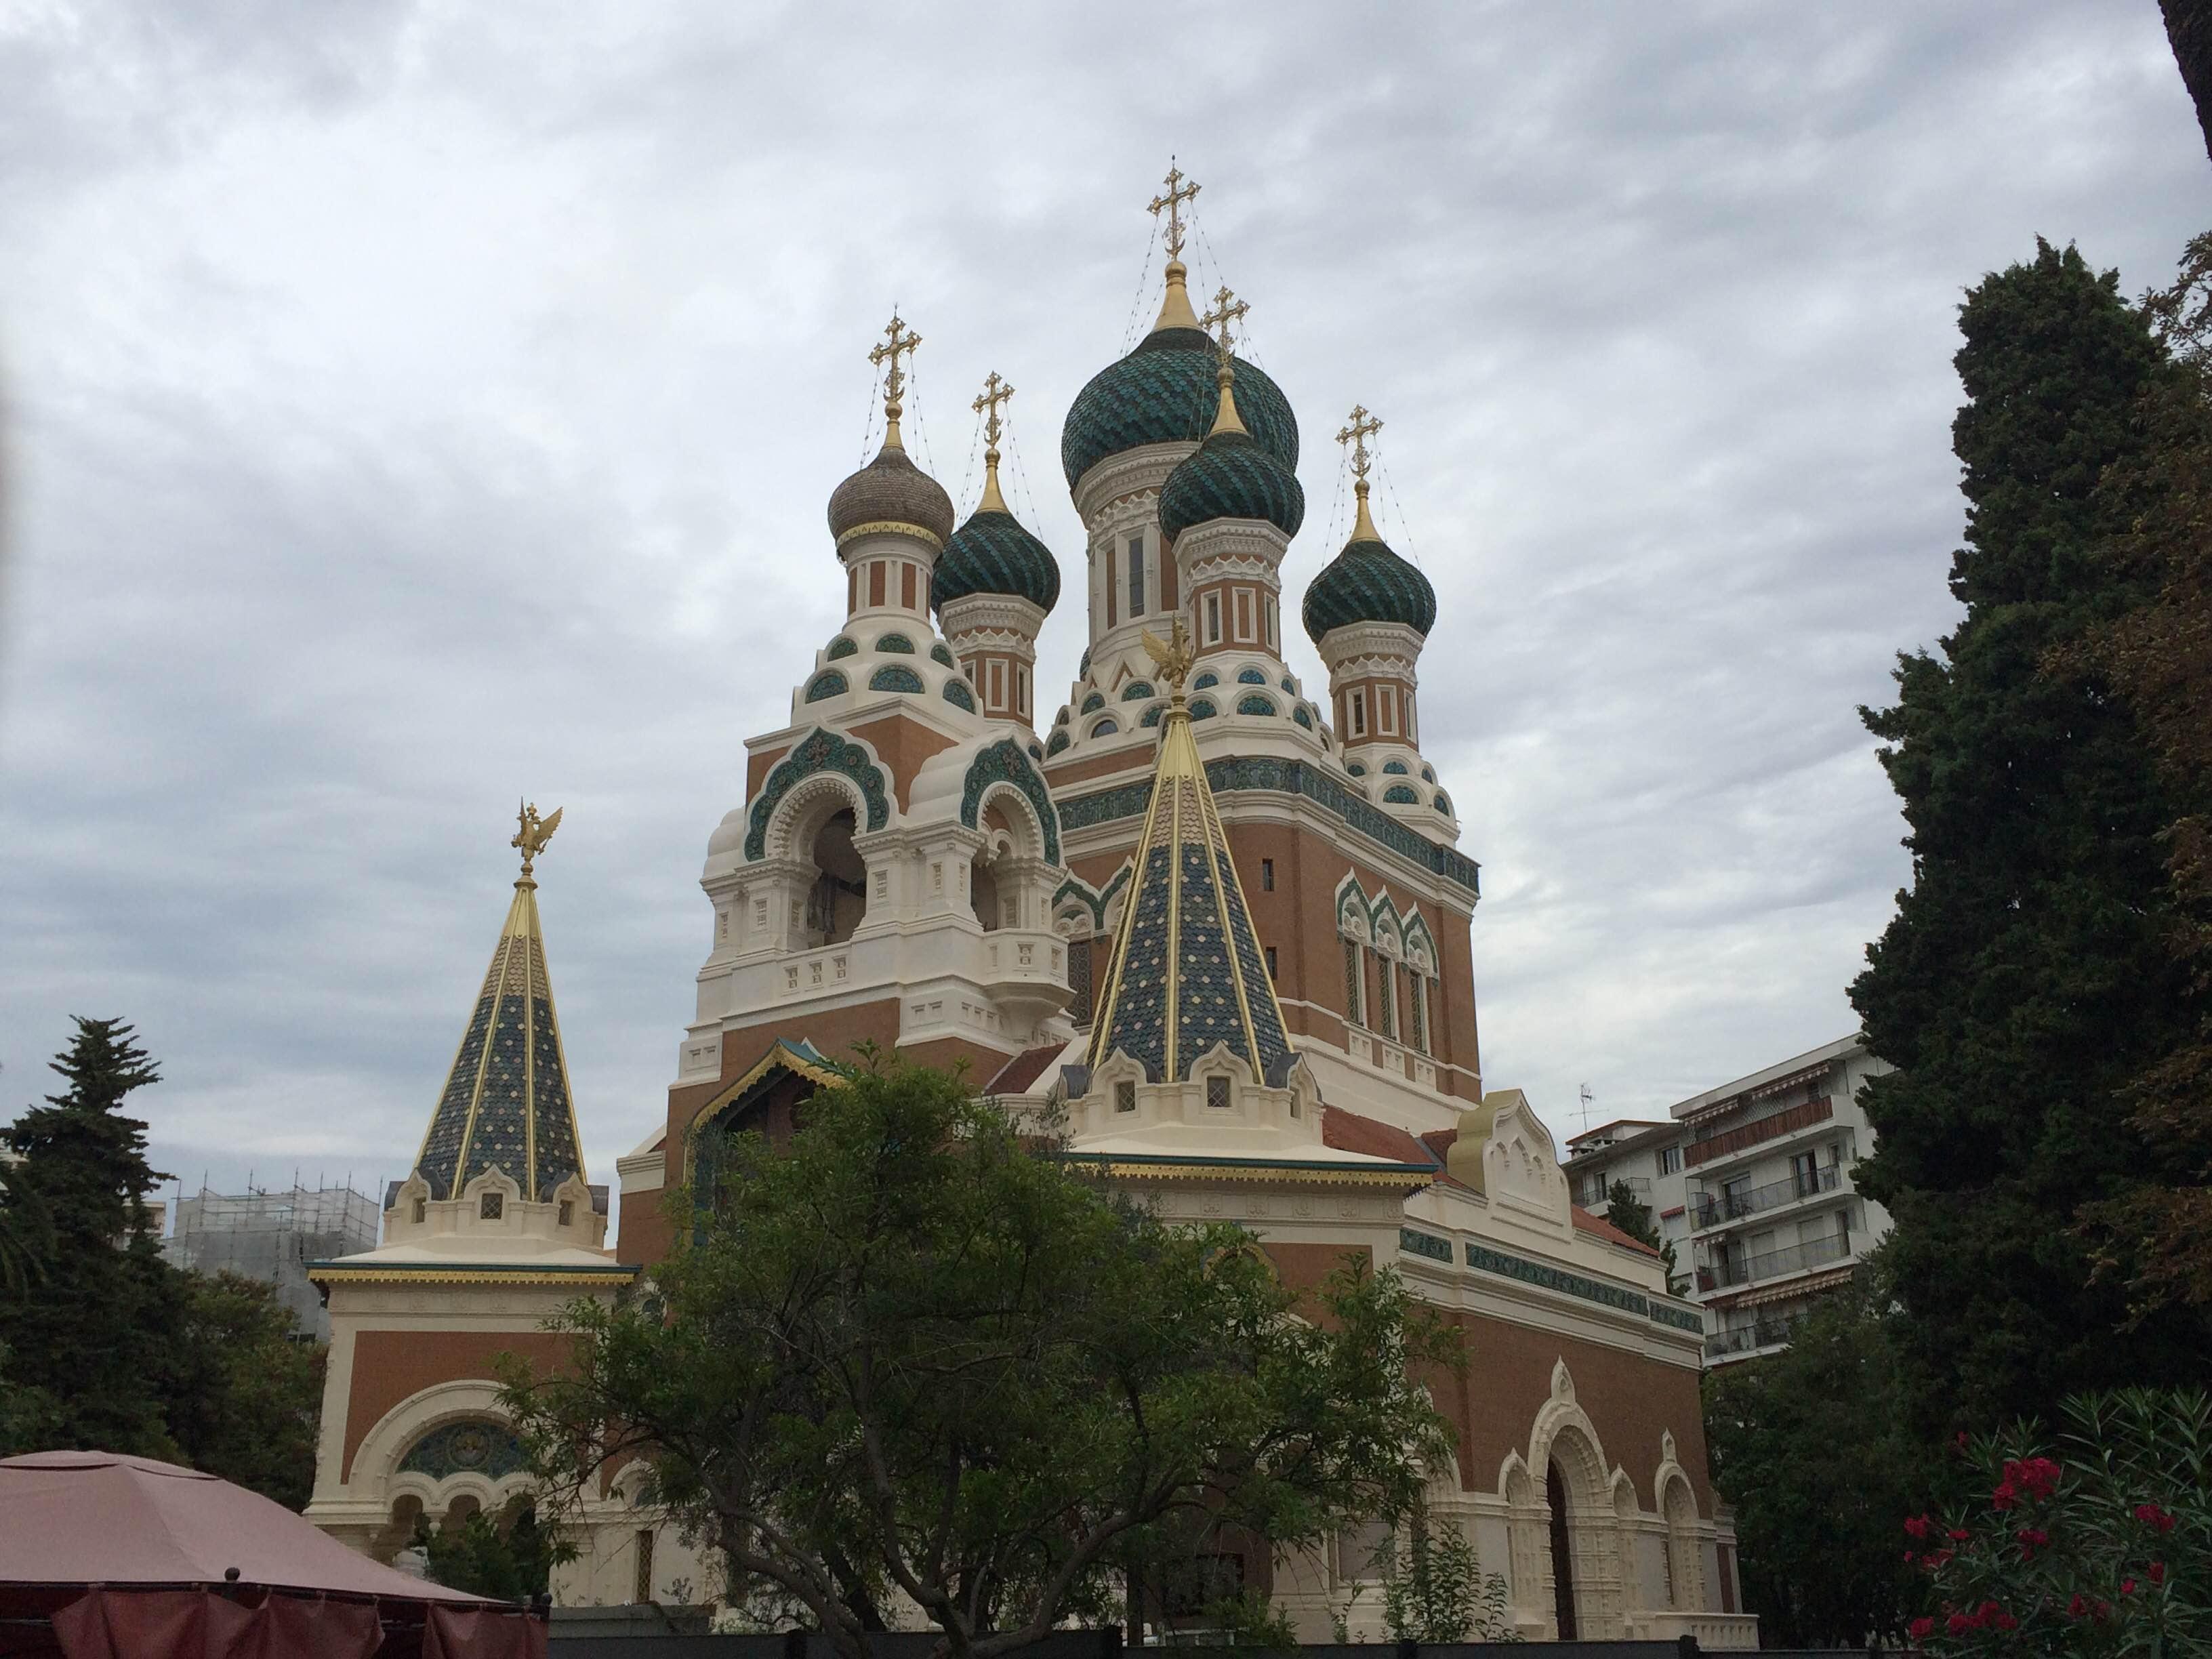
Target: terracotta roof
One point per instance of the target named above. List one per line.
(1585, 1222)
(1348, 1131)
(1019, 1074)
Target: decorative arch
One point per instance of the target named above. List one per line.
(1152, 716)
(1402, 794)
(1301, 717)
(1355, 911)
(1397, 769)
(1106, 727)
(841, 646)
(895, 677)
(1003, 763)
(1206, 677)
(1420, 945)
(1390, 926)
(1256, 703)
(1563, 1438)
(1059, 741)
(894, 645)
(1202, 709)
(846, 765)
(378, 1461)
(1251, 677)
(1137, 692)
(940, 652)
(957, 694)
(829, 682)
(1093, 899)
(1093, 703)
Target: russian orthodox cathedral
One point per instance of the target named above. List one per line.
(1219, 923)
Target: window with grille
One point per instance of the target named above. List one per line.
(1355, 1004)
(1417, 1012)
(1273, 973)
(1386, 1015)
(1137, 576)
(1267, 875)
(1217, 1092)
(1213, 619)
(1078, 979)
(1124, 1096)
(491, 1206)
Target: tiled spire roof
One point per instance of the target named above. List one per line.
(1188, 971)
(507, 1103)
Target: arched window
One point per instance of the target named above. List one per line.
(1152, 716)
(1137, 692)
(1356, 768)
(957, 694)
(829, 682)
(938, 653)
(1395, 767)
(838, 897)
(1202, 709)
(1563, 1554)
(1094, 703)
(1206, 678)
(1059, 741)
(1256, 704)
(1106, 728)
(1251, 677)
(1443, 803)
(841, 646)
(1303, 718)
(894, 645)
(1289, 686)
(1402, 794)
(895, 677)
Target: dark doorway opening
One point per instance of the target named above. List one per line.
(1563, 1558)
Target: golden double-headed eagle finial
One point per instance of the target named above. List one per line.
(1172, 656)
(532, 832)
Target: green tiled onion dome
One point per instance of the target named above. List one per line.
(1231, 476)
(891, 489)
(993, 553)
(1164, 392)
(1368, 583)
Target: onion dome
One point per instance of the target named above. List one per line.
(1231, 476)
(1164, 393)
(890, 492)
(1368, 583)
(991, 553)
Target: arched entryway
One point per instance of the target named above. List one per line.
(1562, 1553)
(838, 897)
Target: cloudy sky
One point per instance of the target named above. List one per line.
(412, 406)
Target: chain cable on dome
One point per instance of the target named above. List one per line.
(1220, 279)
(1137, 303)
(975, 443)
(875, 401)
(920, 420)
(1397, 510)
(1021, 475)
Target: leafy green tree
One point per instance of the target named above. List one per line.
(915, 1351)
(27, 1235)
(2028, 975)
(511, 1564)
(27, 1414)
(242, 1391)
(1633, 1217)
(1809, 1446)
(91, 1340)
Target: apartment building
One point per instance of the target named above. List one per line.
(1751, 1181)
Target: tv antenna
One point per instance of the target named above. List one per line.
(1587, 1097)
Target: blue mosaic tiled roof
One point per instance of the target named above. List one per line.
(1164, 393)
(1188, 970)
(1231, 475)
(1368, 582)
(506, 1103)
(993, 553)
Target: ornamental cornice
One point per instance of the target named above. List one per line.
(1133, 472)
(1362, 668)
(1368, 638)
(996, 614)
(1223, 565)
(1231, 538)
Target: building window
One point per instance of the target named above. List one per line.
(1385, 1016)
(1217, 1093)
(1417, 1012)
(1136, 575)
(1112, 585)
(1124, 1096)
(1355, 1004)
(994, 680)
(1359, 702)
(1242, 598)
(1213, 619)
(641, 1587)
(1670, 1160)
(875, 581)
(1021, 691)
(567, 1213)
(1267, 875)
(1273, 974)
(1274, 626)
(491, 1206)
(422, 1211)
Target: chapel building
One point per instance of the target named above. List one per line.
(1221, 923)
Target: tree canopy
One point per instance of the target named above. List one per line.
(2028, 975)
(917, 1353)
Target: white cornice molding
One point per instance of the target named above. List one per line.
(1355, 640)
(992, 614)
(1136, 471)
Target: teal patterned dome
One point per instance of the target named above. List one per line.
(993, 553)
(1369, 583)
(1164, 392)
(1231, 476)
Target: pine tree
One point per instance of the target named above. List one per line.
(1633, 1217)
(90, 1338)
(2027, 977)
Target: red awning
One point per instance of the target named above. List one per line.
(129, 1555)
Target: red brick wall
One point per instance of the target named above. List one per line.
(390, 1365)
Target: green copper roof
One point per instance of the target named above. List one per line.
(1164, 392)
(993, 553)
(1231, 476)
(1367, 582)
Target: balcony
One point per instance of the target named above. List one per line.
(1729, 1142)
(1732, 1271)
(1712, 1209)
(1745, 1338)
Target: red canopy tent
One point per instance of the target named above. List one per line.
(107, 1557)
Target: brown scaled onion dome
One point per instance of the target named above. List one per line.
(891, 490)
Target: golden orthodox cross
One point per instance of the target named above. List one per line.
(898, 341)
(1178, 192)
(1228, 310)
(1363, 426)
(995, 392)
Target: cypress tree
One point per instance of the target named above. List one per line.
(90, 1339)
(2026, 975)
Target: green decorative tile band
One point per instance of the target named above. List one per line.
(1427, 1244)
(1287, 777)
(1681, 1318)
(1545, 1277)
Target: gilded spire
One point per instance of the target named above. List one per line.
(1228, 311)
(1187, 972)
(1175, 307)
(1362, 427)
(898, 341)
(995, 392)
(507, 1103)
